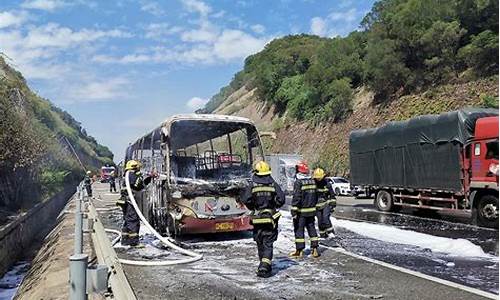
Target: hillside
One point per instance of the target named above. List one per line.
(412, 57)
(36, 160)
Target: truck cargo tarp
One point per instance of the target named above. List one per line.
(423, 152)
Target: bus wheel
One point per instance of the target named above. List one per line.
(485, 213)
(384, 201)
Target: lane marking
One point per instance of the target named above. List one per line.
(415, 273)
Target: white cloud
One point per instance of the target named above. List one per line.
(36, 51)
(346, 16)
(48, 5)
(9, 18)
(258, 28)
(206, 33)
(159, 31)
(152, 7)
(233, 44)
(101, 90)
(318, 26)
(196, 103)
(197, 6)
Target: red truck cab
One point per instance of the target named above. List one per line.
(482, 165)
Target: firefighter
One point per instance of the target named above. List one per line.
(304, 211)
(131, 221)
(326, 203)
(87, 182)
(112, 182)
(264, 196)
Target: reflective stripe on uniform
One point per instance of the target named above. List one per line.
(307, 209)
(263, 189)
(120, 201)
(314, 238)
(294, 208)
(308, 187)
(130, 234)
(332, 201)
(262, 221)
(267, 210)
(322, 231)
(321, 204)
(276, 215)
(266, 260)
(300, 240)
(323, 190)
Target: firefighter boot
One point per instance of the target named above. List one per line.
(315, 253)
(296, 254)
(264, 270)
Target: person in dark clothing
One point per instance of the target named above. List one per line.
(131, 221)
(87, 182)
(326, 203)
(264, 196)
(112, 182)
(303, 211)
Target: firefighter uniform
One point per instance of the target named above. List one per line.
(326, 203)
(131, 221)
(264, 196)
(112, 183)
(87, 182)
(304, 213)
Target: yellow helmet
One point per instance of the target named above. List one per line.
(262, 168)
(132, 164)
(319, 173)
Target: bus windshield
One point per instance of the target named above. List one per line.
(209, 150)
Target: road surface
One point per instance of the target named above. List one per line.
(230, 260)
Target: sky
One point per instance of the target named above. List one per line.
(121, 67)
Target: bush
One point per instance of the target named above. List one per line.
(489, 101)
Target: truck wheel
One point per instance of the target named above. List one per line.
(485, 213)
(384, 201)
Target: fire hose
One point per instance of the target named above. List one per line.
(166, 241)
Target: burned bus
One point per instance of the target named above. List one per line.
(205, 162)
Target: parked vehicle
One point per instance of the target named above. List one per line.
(439, 162)
(357, 191)
(205, 162)
(283, 169)
(340, 185)
(106, 173)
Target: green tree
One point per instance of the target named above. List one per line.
(482, 53)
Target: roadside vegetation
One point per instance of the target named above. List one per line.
(35, 159)
(402, 47)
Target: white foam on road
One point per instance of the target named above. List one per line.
(454, 247)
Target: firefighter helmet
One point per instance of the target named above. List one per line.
(88, 172)
(132, 164)
(262, 168)
(319, 174)
(302, 168)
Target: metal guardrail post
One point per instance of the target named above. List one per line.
(78, 276)
(79, 224)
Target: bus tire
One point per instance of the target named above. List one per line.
(384, 201)
(485, 212)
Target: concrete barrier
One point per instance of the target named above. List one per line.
(17, 236)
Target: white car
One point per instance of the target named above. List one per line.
(340, 185)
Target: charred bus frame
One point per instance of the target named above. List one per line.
(205, 163)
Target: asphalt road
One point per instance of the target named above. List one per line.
(228, 268)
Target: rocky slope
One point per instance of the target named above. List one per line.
(326, 144)
(37, 141)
